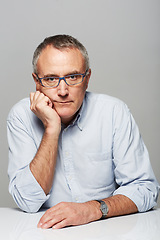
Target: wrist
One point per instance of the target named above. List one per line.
(95, 210)
(52, 125)
(52, 130)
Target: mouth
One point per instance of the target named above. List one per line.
(63, 102)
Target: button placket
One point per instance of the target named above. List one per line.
(69, 165)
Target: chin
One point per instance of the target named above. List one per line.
(67, 118)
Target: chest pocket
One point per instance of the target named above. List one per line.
(96, 170)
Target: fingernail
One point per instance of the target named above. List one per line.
(39, 225)
(44, 226)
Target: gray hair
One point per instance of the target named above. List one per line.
(60, 42)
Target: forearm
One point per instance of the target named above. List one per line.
(66, 214)
(118, 205)
(43, 164)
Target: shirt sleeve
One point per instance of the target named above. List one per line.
(133, 171)
(25, 190)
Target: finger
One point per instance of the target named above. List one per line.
(50, 104)
(47, 101)
(51, 222)
(34, 96)
(32, 100)
(39, 99)
(61, 224)
(46, 216)
(31, 96)
(52, 213)
(37, 94)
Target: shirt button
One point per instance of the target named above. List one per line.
(67, 154)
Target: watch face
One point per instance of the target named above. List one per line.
(104, 209)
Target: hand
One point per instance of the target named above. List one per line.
(67, 213)
(42, 106)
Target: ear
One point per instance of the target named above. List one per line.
(88, 78)
(35, 78)
(38, 86)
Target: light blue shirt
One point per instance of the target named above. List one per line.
(100, 154)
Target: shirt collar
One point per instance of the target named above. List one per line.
(80, 119)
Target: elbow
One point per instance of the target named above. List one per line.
(26, 203)
(30, 209)
(148, 198)
(27, 207)
(26, 192)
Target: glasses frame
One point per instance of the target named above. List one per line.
(62, 78)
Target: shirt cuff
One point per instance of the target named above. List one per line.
(32, 194)
(143, 198)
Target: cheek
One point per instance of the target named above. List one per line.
(79, 96)
(38, 87)
(50, 93)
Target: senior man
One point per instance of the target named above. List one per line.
(77, 153)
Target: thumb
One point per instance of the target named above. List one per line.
(50, 104)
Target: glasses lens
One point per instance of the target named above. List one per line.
(50, 81)
(74, 79)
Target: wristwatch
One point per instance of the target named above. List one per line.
(103, 208)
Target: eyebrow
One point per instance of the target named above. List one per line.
(55, 75)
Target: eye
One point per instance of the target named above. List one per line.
(50, 79)
(72, 77)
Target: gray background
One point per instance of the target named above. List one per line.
(123, 41)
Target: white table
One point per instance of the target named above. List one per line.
(17, 225)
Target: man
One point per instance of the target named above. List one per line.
(77, 153)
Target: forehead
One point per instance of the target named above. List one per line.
(63, 61)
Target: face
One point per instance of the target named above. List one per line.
(66, 100)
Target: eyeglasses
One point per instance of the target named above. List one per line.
(53, 81)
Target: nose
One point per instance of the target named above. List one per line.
(62, 88)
